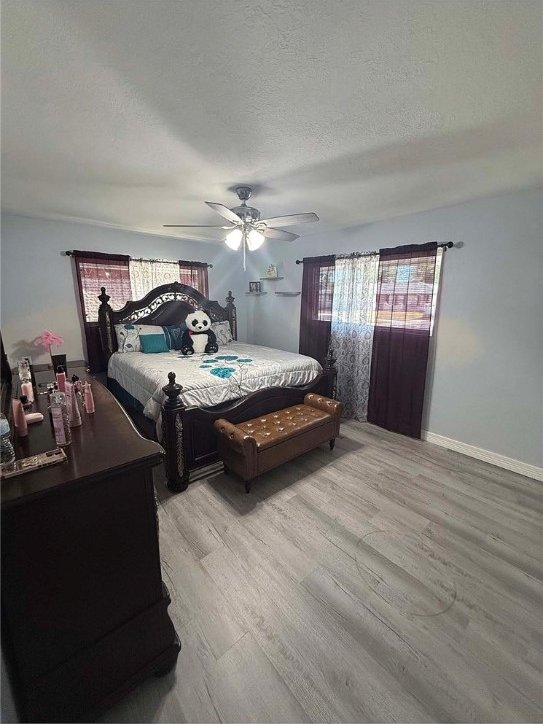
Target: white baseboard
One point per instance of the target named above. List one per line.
(531, 471)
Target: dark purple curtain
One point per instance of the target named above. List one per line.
(94, 270)
(404, 307)
(194, 274)
(316, 310)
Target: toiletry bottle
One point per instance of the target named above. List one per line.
(88, 398)
(7, 453)
(59, 417)
(19, 418)
(27, 389)
(76, 413)
(68, 393)
(25, 402)
(76, 382)
(61, 378)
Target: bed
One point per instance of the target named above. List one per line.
(176, 399)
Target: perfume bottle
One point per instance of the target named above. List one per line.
(61, 378)
(88, 398)
(59, 418)
(75, 418)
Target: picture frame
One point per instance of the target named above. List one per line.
(272, 271)
(255, 287)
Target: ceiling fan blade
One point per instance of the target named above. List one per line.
(290, 219)
(280, 235)
(224, 211)
(194, 226)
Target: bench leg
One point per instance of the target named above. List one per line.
(247, 486)
(332, 443)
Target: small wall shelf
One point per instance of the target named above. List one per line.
(270, 279)
(255, 294)
(287, 294)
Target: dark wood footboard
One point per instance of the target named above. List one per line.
(189, 437)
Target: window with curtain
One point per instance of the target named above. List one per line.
(406, 300)
(194, 274)
(96, 270)
(316, 306)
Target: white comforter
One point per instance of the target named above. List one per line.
(209, 379)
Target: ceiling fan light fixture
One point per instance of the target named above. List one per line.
(255, 239)
(233, 239)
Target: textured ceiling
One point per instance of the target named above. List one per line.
(132, 113)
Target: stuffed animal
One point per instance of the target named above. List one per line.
(198, 337)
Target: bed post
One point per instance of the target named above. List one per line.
(330, 369)
(232, 318)
(105, 324)
(173, 438)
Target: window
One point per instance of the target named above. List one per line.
(194, 274)
(407, 291)
(128, 279)
(325, 293)
(96, 271)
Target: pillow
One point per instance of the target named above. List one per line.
(222, 332)
(129, 335)
(153, 343)
(173, 334)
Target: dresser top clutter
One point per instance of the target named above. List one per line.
(106, 440)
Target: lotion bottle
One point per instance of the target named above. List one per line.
(19, 418)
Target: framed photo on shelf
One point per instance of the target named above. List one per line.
(255, 287)
(272, 272)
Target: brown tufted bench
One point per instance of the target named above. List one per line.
(256, 446)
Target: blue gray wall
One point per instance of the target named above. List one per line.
(486, 384)
(38, 290)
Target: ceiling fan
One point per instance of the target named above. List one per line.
(246, 228)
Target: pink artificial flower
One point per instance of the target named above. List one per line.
(48, 339)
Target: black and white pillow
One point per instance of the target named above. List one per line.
(222, 332)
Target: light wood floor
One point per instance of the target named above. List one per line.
(388, 580)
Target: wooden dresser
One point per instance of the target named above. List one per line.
(84, 608)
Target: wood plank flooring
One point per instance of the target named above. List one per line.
(388, 580)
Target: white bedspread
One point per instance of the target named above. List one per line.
(209, 379)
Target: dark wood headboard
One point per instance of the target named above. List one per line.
(167, 304)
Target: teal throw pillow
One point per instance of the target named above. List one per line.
(153, 343)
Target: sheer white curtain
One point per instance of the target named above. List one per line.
(353, 313)
(146, 275)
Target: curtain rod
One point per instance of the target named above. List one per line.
(139, 258)
(356, 254)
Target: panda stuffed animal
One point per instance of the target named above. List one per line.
(198, 337)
